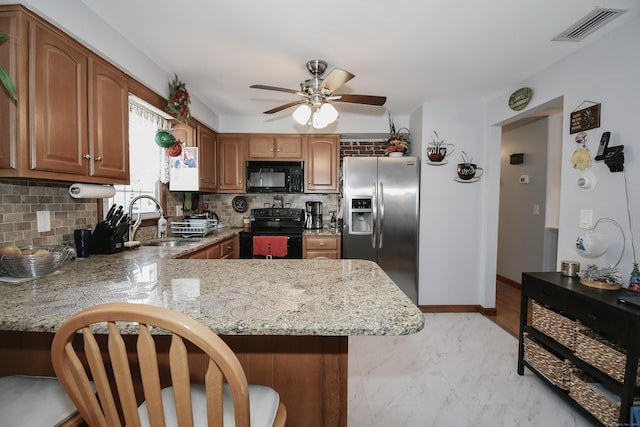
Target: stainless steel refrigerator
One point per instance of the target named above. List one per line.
(381, 215)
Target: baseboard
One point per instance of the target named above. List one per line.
(457, 309)
(509, 282)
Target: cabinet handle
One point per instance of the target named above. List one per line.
(86, 156)
(321, 243)
(98, 159)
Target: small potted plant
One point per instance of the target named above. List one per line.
(437, 149)
(398, 143)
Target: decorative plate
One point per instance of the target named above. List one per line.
(520, 98)
(239, 204)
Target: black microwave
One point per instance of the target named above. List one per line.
(274, 177)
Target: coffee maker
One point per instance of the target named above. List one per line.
(314, 215)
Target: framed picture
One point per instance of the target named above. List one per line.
(585, 119)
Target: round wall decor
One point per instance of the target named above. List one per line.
(239, 204)
(520, 98)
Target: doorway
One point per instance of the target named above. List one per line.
(529, 197)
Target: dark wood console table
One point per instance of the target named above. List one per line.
(600, 312)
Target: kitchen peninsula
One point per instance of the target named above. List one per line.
(288, 320)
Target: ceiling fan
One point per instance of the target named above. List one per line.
(318, 93)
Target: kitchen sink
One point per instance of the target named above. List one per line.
(172, 243)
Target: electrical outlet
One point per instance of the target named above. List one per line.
(179, 211)
(536, 209)
(44, 221)
(586, 218)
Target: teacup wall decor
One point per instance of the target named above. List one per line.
(437, 150)
(467, 170)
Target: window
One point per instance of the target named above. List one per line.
(145, 159)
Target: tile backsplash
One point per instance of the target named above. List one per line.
(20, 200)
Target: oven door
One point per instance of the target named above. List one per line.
(294, 245)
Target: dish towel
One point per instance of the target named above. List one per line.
(270, 246)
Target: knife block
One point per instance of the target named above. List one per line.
(105, 243)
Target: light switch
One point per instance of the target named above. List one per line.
(586, 218)
(44, 221)
(536, 209)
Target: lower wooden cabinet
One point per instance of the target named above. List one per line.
(226, 249)
(321, 247)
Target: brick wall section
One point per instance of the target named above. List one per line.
(361, 148)
(19, 202)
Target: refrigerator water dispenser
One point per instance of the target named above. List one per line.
(361, 216)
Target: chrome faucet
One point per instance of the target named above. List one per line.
(162, 223)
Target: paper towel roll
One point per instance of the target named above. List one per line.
(91, 191)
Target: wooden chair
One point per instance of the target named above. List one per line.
(36, 402)
(180, 404)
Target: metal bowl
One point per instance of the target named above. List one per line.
(36, 264)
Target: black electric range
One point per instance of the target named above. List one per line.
(274, 222)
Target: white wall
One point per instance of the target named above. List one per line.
(605, 71)
(451, 212)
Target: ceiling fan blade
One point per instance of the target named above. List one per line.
(279, 89)
(335, 80)
(361, 99)
(285, 106)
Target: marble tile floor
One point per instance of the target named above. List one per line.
(460, 370)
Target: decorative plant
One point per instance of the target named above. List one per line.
(608, 274)
(397, 141)
(436, 142)
(4, 76)
(179, 101)
(466, 159)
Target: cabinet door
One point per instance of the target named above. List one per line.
(321, 166)
(321, 246)
(184, 133)
(261, 147)
(289, 147)
(58, 115)
(208, 152)
(109, 121)
(9, 113)
(231, 155)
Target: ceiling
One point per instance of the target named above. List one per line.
(410, 51)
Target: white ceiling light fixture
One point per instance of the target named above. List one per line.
(302, 114)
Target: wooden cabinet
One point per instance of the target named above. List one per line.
(569, 344)
(208, 158)
(232, 150)
(71, 121)
(271, 147)
(184, 133)
(321, 163)
(226, 249)
(321, 246)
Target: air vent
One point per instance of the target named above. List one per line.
(587, 25)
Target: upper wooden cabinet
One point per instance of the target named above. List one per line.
(184, 133)
(232, 149)
(71, 119)
(268, 147)
(321, 163)
(208, 154)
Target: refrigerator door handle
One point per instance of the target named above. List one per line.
(374, 214)
(380, 214)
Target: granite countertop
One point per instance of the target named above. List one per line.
(232, 297)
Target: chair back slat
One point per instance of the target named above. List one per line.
(181, 381)
(213, 381)
(99, 374)
(151, 387)
(122, 376)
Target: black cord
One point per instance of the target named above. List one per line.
(626, 192)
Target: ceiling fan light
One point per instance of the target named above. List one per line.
(318, 121)
(302, 114)
(329, 113)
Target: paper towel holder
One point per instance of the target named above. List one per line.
(83, 191)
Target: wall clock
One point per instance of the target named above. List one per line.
(239, 204)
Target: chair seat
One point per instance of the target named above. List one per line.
(33, 401)
(263, 405)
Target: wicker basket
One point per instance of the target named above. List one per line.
(604, 355)
(601, 407)
(554, 325)
(553, 368)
